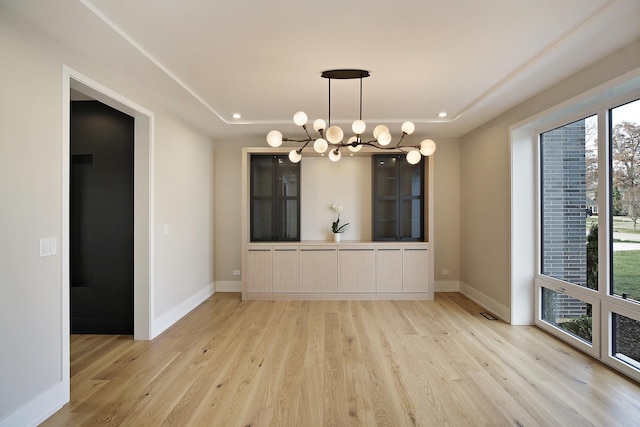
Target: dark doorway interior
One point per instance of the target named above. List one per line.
(101, 216)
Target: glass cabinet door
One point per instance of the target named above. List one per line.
(275, 199)
(398, 212)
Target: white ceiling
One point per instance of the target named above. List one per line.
(208, 59)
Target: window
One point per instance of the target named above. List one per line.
(275, 199)
(398, 199)
(588, 282)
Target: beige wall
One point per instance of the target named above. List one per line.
(446, 212)
(485, 247)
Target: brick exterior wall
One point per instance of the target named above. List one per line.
(564, 244)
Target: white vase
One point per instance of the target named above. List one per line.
(336, 237)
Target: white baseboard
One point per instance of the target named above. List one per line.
(500, 310)
(447, 286)
(165, 321)
(229, 286)
(40, 408)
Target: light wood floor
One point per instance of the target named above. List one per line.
(357, 363)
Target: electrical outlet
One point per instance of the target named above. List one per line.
(445, 272)
(236, 272)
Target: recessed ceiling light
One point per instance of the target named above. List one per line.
(442, 114)
(236, 116)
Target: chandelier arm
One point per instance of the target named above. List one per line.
(401, 138)
(380, 147)
(305, 145)
(307, 132)
(306, 141)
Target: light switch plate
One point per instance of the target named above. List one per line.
(48, 246)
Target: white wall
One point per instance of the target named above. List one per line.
(30, 170)
(346, 183)
(184, 203)
(32, 382)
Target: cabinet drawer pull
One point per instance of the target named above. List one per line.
(259, 250)
(354, 250)
(285, 250)
(318, 250)
(415, 249)
(389, 249)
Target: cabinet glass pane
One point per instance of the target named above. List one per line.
(385, 221)
(412, 219)
(410, 180)
(386, 183)
(262, 224)
(287, 185)
(289, 221)
(262, 176)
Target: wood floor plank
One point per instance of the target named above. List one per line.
(342, 363)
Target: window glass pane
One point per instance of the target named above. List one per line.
(567, 313)
(626, 339)
(569, 192)
(625, 200)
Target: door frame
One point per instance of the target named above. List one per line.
(143, 212)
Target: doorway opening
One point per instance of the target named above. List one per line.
(143, 278)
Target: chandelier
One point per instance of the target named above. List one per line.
(332, 138)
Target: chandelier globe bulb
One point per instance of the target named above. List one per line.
(378, 130)
(294, 156)
(413, 157)
(384, 138)
(354, 147)
(320, 145)
(334, 134)
(300, 118)
(274, 138)
(359, 127)
(408, 128)
(335, 155)
(427, 147)
(319, 125)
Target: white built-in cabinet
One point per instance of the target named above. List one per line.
(286, 269)
(319, 269)
(348, 270)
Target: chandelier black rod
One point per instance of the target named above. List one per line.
(360, 98)
(329, 101)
